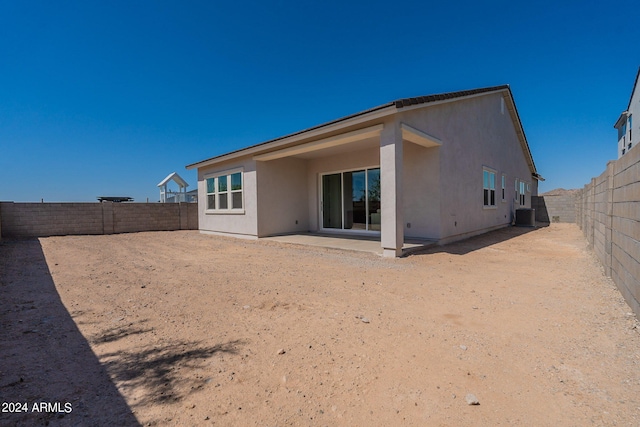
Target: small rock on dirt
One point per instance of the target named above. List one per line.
(472, 399)
(281, 351)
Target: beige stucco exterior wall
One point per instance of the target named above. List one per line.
(243, 224)
(282, 196)
(421, 188)
(475, 132)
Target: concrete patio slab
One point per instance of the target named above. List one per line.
(350, 243)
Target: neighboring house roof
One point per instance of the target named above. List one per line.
(116, 199)
(176, 178)
(623, 116)
(383, 110)
(634, 89)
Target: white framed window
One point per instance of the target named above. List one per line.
(523, 195)
(504, 185)
(224, 192)
(489, 187)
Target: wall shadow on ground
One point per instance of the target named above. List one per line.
(158, 372)
(44, 356)
(475, 243)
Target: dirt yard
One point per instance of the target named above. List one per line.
(179, 328)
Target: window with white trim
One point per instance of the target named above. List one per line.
(523, 195)
(224, 192)
(504, 185)
(489, 187)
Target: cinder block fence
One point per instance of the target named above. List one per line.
(608, 212)
(558, 207)
(58, 219)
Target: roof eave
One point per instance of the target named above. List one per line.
(373, 114)
(313, 132)
(520, 132)
(621, 120)
(635, 83)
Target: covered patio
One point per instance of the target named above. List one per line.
(355, 186)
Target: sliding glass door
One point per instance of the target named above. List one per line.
(351, 200)
(331, 201)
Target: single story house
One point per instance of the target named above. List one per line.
(440, 167)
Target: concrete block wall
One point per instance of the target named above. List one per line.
(555, 208)
(50, 219)
(58, 219)
(608, 212)
(128, 218)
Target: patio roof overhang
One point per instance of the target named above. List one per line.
(304, 136)
(357, 136)
(418, 137)
(322, 144)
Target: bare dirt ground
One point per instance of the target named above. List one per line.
(179, 328)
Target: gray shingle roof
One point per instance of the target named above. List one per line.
(405, 102)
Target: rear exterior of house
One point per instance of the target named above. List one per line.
(441, 167)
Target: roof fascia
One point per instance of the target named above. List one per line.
(515, 117)
(621, 120)
(635, 84)
(297, 137)
(445, 101)
(176, 178)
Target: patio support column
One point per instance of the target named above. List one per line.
(392, 220)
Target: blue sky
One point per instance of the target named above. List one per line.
(107, 98)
